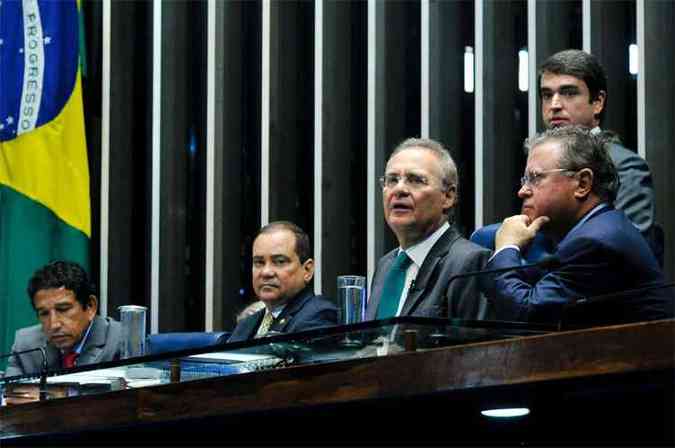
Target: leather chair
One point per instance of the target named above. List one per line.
(168, 342)
(539, 248)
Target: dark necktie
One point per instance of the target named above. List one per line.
(393, 286)
(69, 360)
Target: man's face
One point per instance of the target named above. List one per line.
(278, 274)
(415, 210)
(63, 318)
(565, 100)
(552, 193)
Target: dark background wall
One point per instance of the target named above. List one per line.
(385, 104)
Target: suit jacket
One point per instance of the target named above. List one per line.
(635, 197)
(304, 312)
(433, 295)
(605, 255)
(103, 344)
(636, 190)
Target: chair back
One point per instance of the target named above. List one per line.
(540, 247)
(168, 342)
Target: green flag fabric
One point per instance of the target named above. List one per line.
(44, 176)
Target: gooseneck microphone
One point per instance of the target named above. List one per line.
(547, 262)
(43, 370)
(616, 295)
(581, 303)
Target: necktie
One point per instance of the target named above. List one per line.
(393, 286)
(265, 324)
(69, 360)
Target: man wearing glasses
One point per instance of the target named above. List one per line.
(573, 91)
(568, 189)
(419, 190)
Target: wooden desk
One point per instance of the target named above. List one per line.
(567, 379)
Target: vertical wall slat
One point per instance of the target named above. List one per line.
(479, 97)
(209, 259)
(265, 115)
(318, 144)
(424, 68)
(156, 162)
(373, 32)
(105, 157)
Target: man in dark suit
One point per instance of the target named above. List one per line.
(567, 192)
(419, 191)
(70, 332)
(573, 90)
(282, 272)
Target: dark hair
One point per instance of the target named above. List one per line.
(581, 65)
(581, 148)
(62, 274)
(302, 246)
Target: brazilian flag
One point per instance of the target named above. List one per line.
(44, 177)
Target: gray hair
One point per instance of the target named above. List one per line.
(447, 165)
(583, 149)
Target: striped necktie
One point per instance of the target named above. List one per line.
(265, 324)
(393, 286)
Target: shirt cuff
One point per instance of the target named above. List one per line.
(508, 246)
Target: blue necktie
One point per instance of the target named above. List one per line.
(393, 287)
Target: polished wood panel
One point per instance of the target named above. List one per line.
(617, 350)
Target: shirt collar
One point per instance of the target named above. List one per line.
(276, 310)
(418, 252)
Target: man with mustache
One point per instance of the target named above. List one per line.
(282, 272)
(568, 188)
(70, 331)
(419, 190)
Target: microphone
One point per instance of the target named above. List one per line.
(548, 262)
(610, 296)
(43, 370)
(582, 302)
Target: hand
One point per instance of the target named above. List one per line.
(518, 230)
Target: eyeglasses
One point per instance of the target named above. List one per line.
(533, 179)
(413, 181)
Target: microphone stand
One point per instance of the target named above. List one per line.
(43, 375)
(44, 368)
(548, 262)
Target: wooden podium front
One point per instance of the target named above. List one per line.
(610, 384)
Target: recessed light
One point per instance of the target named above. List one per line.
(505, 412)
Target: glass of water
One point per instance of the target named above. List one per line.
(352, 297)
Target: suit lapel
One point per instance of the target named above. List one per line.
(53, 356)
(431, 263)
(93, 347)
(251, 325)
(378, 284)
(290, 310)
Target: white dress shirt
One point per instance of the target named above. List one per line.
(418, 253)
